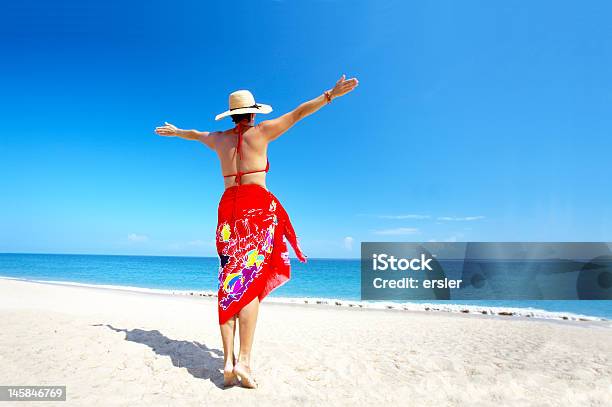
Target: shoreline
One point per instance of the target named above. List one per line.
(503, 312)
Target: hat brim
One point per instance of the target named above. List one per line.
(263, 109)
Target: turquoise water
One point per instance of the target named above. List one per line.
(319, 278)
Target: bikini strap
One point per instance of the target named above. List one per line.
(240, 128)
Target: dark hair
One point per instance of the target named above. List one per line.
(237, 118)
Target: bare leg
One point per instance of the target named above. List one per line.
(247, 318)
(228, 332)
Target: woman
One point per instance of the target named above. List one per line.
(252, 223)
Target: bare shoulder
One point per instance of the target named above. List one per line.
(262, 130)
(215, 135)
(273, 128)
(210, 139)
(265, 128)
(264, 125)
(221, 137)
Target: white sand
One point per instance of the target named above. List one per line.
(113, 347)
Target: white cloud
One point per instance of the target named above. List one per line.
(348, 243)
(460, 219)
(450, 239)
(192, 244)
(201, 243)
(135, 237)
(397, 231)
(408, 216)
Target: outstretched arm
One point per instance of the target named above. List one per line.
(170, 130)
(272, 129)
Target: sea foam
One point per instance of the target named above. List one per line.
(380, 305)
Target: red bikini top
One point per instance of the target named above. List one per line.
(240, 129)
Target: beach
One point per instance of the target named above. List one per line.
(118, 347)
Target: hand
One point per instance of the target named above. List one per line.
(343, 86)
(168, 130)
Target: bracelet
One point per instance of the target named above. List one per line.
(328, 96)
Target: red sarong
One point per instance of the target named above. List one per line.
(254, 259)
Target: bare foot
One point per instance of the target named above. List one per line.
(229, 377)
(245, 375)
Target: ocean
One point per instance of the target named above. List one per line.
(326, 280)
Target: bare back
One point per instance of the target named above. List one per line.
(254, 155)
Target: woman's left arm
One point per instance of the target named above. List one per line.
(170, 130)
(272, 129)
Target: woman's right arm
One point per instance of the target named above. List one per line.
(170, 130)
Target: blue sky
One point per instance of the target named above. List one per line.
(473, 121)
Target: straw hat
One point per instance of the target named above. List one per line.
(242, 101)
